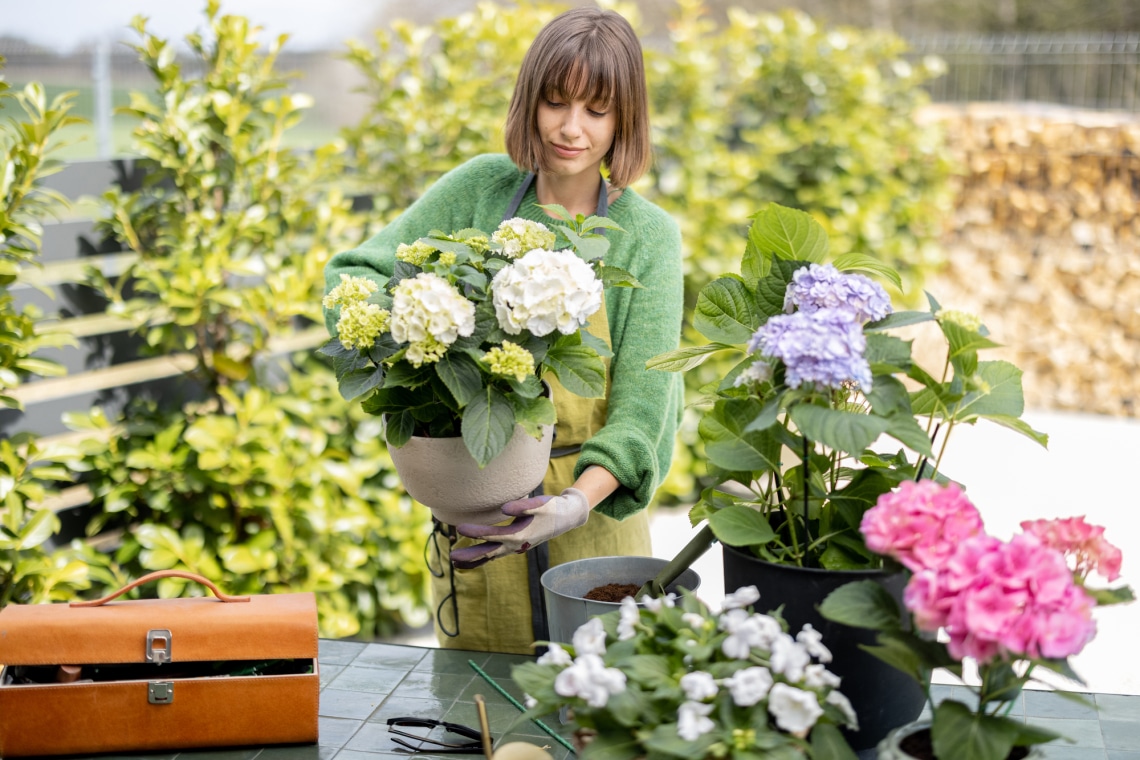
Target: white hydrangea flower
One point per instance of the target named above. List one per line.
(529, 701)
(555, 655)
(789, 658)
(818, 677)
(795, 710)
(749, 686)
(840, 700)
(655, 603)
(426, 309)
(813, 641)
(693, 721)
(698, 686)
(630, 616)
(518, 236)
(742, 597)
(590, 679)
(590, 638)
(546, 291)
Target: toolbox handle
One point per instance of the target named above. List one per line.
(158, 576)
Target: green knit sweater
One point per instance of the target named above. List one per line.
(644, 412)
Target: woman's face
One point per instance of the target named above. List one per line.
(576, 134)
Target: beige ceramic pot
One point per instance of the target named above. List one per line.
(442, 475)
(891, 747)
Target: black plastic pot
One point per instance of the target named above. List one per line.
(883, 698)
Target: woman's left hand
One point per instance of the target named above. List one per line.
(537, 519)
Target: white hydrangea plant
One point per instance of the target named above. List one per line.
(468, 324)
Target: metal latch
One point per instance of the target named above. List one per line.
(158, 645)
(160, 692)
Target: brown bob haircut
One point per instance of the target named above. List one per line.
(590, 54)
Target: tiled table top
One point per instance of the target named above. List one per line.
(362, 685)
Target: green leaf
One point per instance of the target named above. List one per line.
(862, 263)
(730, 447)
(579, 369)
(739, 525)
(837, 429)
(461, 374)
(887, 354)
(1107, 596)
(827, 743)
(488, 423)
(616, 277)
(726, 312)
(789, 234)
(960, 734)
(38, 529)
(360, 381)
(399, 428)
(665, 740)
(898, 319)
(1021, 426)
(962, 340)
(755, 264)
(533, 413)
(862, 604)
(684, 359)
(1002, 394)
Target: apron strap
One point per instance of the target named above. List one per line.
(538, 558)
(512, 208)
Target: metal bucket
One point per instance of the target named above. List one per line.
(565, 586)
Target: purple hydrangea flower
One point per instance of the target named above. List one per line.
(824, 347)
(818, 287)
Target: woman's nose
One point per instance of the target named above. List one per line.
(572, 122)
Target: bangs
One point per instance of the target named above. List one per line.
(582, 74)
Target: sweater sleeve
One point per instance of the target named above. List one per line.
(645, 406)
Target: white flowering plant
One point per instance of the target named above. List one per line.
(673, 679)
(818, 381)
(457, 341)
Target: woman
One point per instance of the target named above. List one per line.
(579, 104)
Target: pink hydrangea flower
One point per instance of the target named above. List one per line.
(1082, 543)
(920, 524)
(997, 599)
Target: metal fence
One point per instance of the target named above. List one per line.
(1097, 71)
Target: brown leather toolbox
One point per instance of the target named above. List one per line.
(158, 674)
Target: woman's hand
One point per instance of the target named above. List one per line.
(537, 519)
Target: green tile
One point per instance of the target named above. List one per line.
(1051, 704)
(391, 656)
(1061, 752)
(424, 685)
(1121, 707)
(499, 665)
(1117, 754)
(371, 680)
(339, 703)
(336, 731)
(224, 754)
(338, 652)
(351, 754)
(449, 661)
(1120, 734)
(328, 673)
(410, 707)
(297, 752)
(1074, 733)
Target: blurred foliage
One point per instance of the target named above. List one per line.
(761, 108)
(262, 480)
(30, 570)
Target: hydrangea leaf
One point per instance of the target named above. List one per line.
(730, 447)
(789, 234)
(741, 526)
(837, 429)
(726, 312)
(578, 368)
(959, 733)
(488, 423)
(461, 375)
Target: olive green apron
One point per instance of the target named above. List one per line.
(490, 608)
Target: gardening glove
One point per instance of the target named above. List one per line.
(537, 519)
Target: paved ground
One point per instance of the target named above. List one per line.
(1089, 469)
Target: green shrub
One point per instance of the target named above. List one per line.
(29, 571)
(264, 480)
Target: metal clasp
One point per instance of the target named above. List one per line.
(160, 692)
(158, 646)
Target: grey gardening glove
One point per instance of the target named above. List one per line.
(537, 519)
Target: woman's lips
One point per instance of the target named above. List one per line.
(566, 152)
